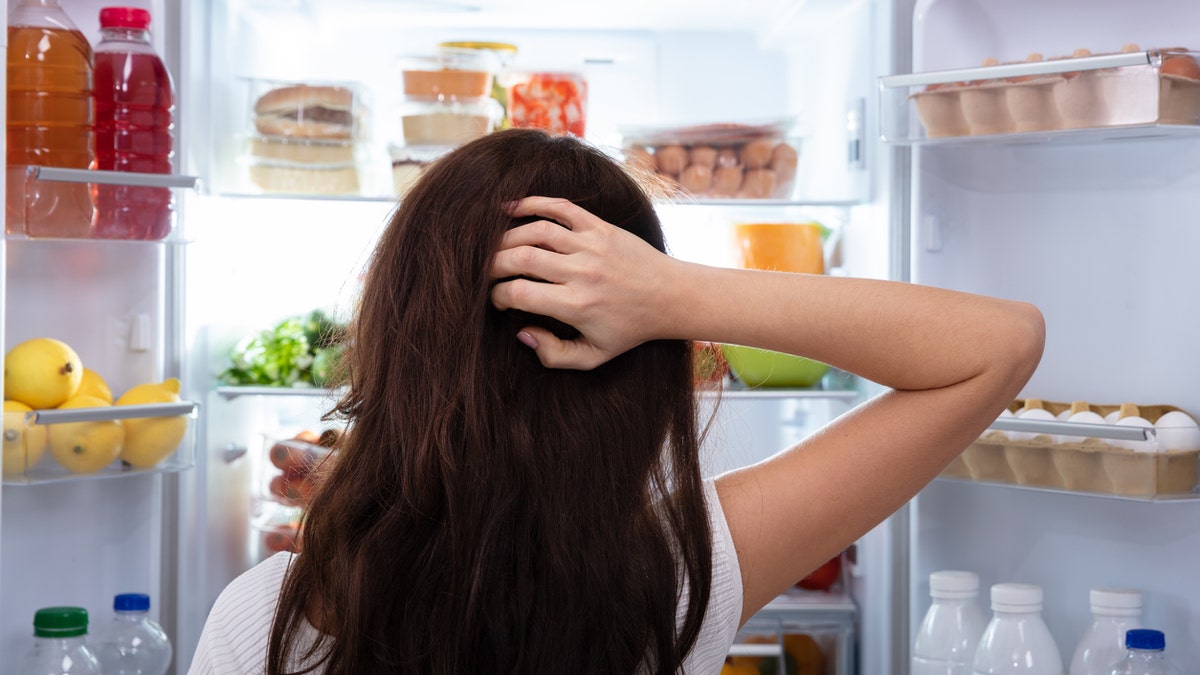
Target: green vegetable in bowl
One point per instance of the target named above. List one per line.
(297, 352)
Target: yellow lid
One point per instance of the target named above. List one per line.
(493, 46)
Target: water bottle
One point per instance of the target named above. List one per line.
(1145, 655)
(49, 120)
(1114, 612)
(59, 648)
(133, 644)
(1017, 641)
(950, 633)
(135, 101)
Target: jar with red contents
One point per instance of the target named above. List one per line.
(555, 101)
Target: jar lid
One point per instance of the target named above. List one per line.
(502, 47)
(953, 584)
(1145, 638)
(125, 17)
(131, 602)
(60, 622)
(1016, 598)
(1115, 601)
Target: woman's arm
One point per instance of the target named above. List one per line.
(952, 361)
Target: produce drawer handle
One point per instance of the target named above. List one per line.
(1073, 429)
(116, 412)
(770, 649)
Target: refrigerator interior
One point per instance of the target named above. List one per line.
(1101, 236)
(82, 540)
(259, 258)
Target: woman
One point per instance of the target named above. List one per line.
(519, 489)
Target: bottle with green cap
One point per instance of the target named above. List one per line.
(59, 644)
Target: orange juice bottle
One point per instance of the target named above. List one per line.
(49, 120)
(782, 247)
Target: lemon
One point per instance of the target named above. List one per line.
(23, 445)
(86, 447)
(41, 373)
(150, 440)
(93, 385)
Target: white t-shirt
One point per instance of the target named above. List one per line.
(235, 636)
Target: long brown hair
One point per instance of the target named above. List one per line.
(485, 513)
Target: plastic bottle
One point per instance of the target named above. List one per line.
(1145, 655)
(49, 120)
(950, 633)
(135, 102)
(1017, 640)
(59, 635)
(132, 644)
(1114, 612)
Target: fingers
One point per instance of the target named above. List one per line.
(531, 296)
(532, 262)
(566, 212)
(563, 354)
(541, 233)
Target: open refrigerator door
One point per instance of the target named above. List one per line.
(1053, 160)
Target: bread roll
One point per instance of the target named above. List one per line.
(298, 180)
(305, 111)
(297, 151)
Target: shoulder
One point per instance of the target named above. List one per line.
(239, 624)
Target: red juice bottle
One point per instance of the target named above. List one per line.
(134, 106)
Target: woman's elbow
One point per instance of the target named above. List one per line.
(1028, 337)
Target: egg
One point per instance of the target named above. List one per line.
(1081, 417)
(1181, 66)
(757, 153)
(703, 155)
(671, 159)
(1130, 48)
(1177, 431)
(639, 158)
(1031, 414)
(757, 184)
(697, 178)
(997, 433)
(1112, 417)
(728, 157)
(727, 180)
(1137, 446)
(784, 160)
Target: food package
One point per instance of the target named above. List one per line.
(1162, 466)
(555, 101)
(718, 161)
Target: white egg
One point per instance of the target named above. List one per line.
(1112, 417)
(1177, 431)
(1062, 416)
(1032, 414)
(1081, 417)
(1139, 446)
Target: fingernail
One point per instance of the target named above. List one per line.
(527, 340)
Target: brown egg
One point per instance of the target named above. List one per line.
(1183, 66)
(757, 153)
(697, 178)
(784, 160)
(728, 157)
(670, 159)
(727, 180)
(758, 184)
(639, 158)
(703, 155)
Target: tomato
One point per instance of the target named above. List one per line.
(824, 577)
(555, 102)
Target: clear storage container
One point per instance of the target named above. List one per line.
(1152, 461)
(427, 121)
(449, 75)
(1116, 93)
(796, 640)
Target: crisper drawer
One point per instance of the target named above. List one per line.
(1113, 94)
(795, 643)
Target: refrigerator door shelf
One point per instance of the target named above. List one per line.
(231, 392)
(1070, 100)
(1130, 462)
(84, 444)
(27, 183)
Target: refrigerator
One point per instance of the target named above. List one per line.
(1093, 224)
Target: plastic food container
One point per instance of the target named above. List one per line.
(728, 160)
(409, 162)
(1129, 89)
(326, 111)
(555, 101)
(1159, 461)
(449, 75)
(430, 122)
(762, 368)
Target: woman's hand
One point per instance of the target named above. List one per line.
(609, 284)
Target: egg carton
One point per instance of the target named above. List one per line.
(1084, 460)
(1060, 94)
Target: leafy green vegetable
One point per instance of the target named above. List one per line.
(300, 351)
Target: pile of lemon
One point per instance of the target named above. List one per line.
(44, 373)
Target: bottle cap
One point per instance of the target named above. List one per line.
(1144, 638)
(1116, 601)
(1016, 598)
(953, 584)
(131, 602)
(125, 17)
(60, 622)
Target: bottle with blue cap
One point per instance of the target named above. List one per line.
(132, 643)
(60, 644)
(1145, 654)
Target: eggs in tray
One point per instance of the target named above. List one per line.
(1160, 462)
(1168, 93)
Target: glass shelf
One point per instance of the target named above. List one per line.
(61, 445)
(231, 392)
